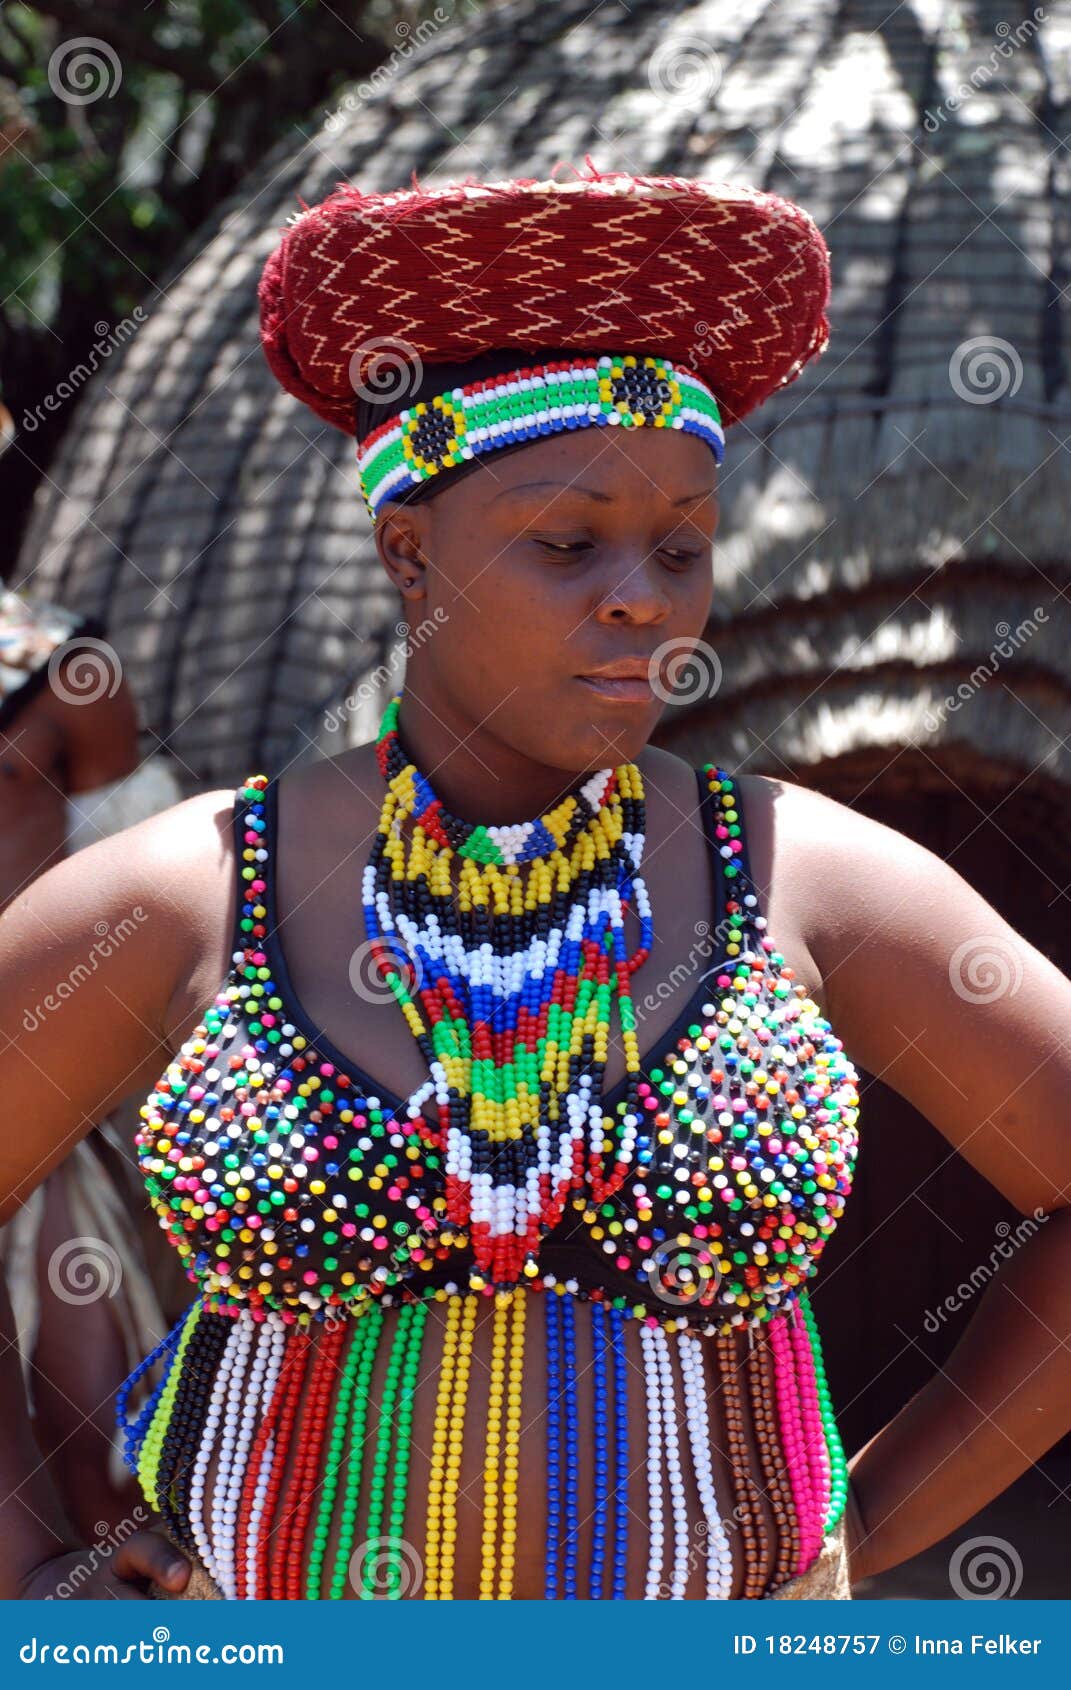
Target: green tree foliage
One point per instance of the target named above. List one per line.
(122, 127)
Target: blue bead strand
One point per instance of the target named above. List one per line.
(553, 1331)
(134, 1431)
(617, 1342)
(599, 1427)
(572, 1448)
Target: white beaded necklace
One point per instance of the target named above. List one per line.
(679, 1582)
(719, 1552)
(222, 1515)
(277, 1330)
(655, 1528)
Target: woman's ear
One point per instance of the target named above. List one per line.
(399, 542)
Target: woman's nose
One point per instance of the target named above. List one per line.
(634, 595)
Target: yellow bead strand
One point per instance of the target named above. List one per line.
(511, 1473)
(433, 1537)
(455, 1441)
(495, 1395)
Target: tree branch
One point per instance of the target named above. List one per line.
(123, 31)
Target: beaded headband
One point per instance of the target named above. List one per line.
(618, 389)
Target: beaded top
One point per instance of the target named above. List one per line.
(289, 1180)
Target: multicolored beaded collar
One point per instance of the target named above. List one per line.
(509, 985)
(619, 389)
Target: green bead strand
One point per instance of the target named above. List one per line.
(384, 1435)
(355, 1455)
(838, 1464)
(392, 1577)
(152, 1444)
(362, 1335)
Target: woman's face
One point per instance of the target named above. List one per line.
(585, 553)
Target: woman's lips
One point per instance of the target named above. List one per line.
(623, 689)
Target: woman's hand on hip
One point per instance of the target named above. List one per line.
(146, 1557)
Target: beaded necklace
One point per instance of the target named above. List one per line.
(516, 979)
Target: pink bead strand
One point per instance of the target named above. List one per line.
(815, 1447)
(789, 1419)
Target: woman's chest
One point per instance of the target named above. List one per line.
(708, 1173)
(286, 1181)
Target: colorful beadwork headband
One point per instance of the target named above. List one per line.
(618, 389)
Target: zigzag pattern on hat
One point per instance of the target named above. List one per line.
(728, 281)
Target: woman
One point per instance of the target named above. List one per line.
(501, 1277)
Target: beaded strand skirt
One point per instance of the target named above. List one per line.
(339, 1497)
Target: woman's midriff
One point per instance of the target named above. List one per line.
(753, 1531)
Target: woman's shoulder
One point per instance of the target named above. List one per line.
(98, 951)
(818, 853)
(826, 875)
(848, 890)
(183, 864)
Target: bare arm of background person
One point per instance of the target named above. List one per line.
(57, 745)
(73, 736)
(40, 1551)
(92, 956)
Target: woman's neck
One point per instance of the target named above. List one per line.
(477, 777)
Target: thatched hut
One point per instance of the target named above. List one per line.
(891, 618)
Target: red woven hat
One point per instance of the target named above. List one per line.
(727, 281)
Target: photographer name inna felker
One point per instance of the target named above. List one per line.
(870, 1643)
(1003, 1644)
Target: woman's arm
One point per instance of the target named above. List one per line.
(1001, 1400)
(94, 955)
(932, 990)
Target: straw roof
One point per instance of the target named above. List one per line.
(891, 564)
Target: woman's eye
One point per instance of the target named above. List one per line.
(679, 556)
(564, 548)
